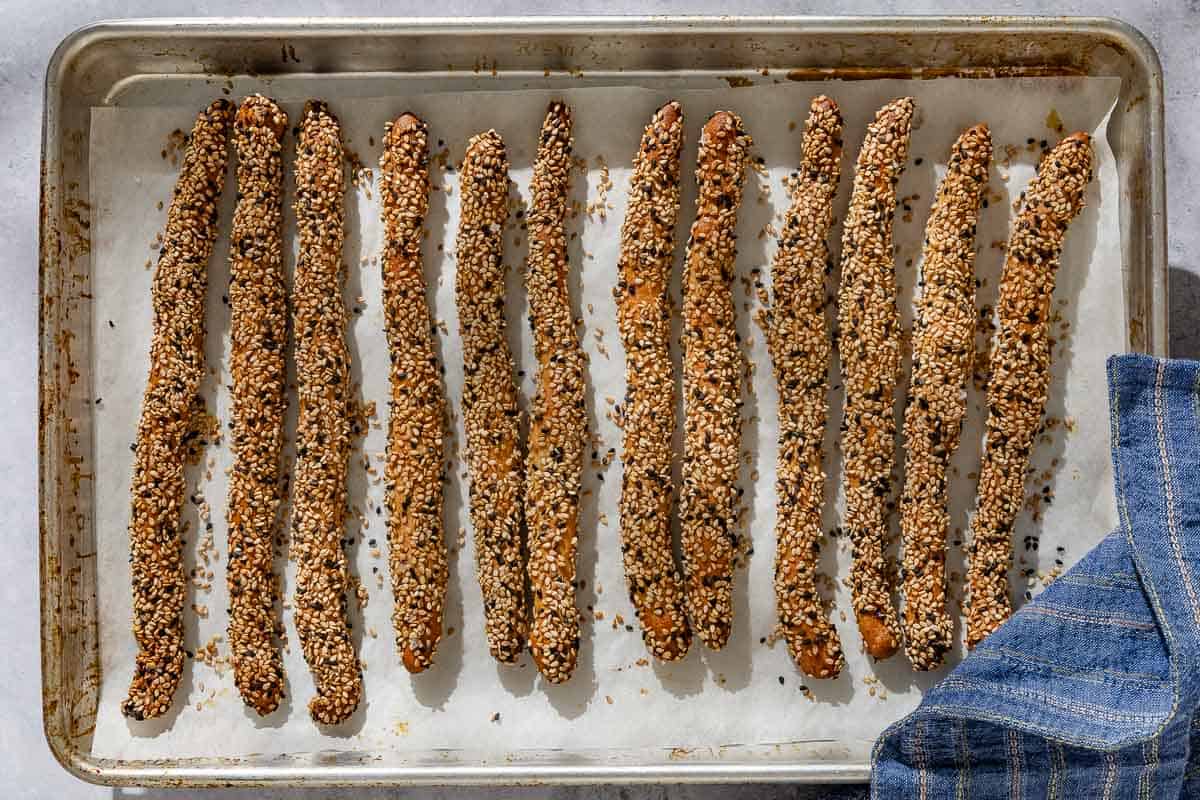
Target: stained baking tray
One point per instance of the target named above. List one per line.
(148, 62)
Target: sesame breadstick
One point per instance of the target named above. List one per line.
(869, 347)
(415, 464)
(1020, 373)
(168, 423)
(644, 319)
(798, 340)
(323, 427)
(943, 352)
(258, 329)
(558, 428)
(489, 397)
(712, 383)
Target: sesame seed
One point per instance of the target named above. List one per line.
(644, 318)
(558, 424)
(416, 437)
(713, 366)
(800, 347)
(169, 416)
(489, 397)
(323, 428)
(943, 353)
(1020, 372)
(258, 325)
(869, 348)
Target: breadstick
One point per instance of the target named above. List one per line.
(258, 330)
(323, 427)
(644, 319)
(489, 398)
(869, 347)
(943, 352)
(169, 418)
(712, 383)
(558, 428)
(1020, 373)
(415, 464)
(798, 340)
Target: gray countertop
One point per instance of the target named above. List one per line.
(27, 769)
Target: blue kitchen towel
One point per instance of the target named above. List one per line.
(1092, 689)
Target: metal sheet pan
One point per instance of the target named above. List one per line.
(181, 61)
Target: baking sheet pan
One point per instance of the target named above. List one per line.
(70, 423)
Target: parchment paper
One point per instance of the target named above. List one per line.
(747, 695)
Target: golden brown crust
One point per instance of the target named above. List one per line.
(943, 353)
(1020, 373)
(170, 408)
(416, 425)
(712, 383)
(644, 318)
(869, 348)
(258, 365)
(798, 340)
(323, 426)
(489, 400)
(558, 428)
